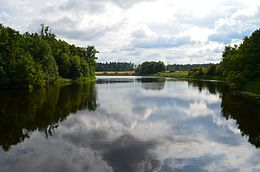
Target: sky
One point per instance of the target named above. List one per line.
(173, 31)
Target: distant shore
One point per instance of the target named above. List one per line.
(116, 73)
(250, 89)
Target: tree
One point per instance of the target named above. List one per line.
(37, 59)
(148, 68)
(212, 70)
(241, 64)
(42, 54)
(115, 66)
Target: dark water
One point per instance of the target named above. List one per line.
(129, 124)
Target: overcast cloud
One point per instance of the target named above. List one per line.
(174, 31)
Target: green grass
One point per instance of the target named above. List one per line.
(252, 87)
(216, 78)
(85, 79)
(185, 75)
(176, 74)
(64, 81)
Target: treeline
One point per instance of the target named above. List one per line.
(213, 71)
(240, 65)
(148, 68)
(114, 66)
(39, 58)
(186, 67)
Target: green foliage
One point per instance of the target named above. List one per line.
(212, 70)
(198, 73)
(236, 78)
(174, 74)
(241, 64)
(38, 59)
(30, 72)
(148, 68)
(253, 87)
(186, 67)
(115, 66)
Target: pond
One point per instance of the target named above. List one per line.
(126, 124)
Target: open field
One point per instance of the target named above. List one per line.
(176, 74)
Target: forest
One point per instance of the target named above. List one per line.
(36, 59)
(114, 66)
(241, 64)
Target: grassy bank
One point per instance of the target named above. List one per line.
(64, 81)
(250, 89)
(185, 75)
(176, 74)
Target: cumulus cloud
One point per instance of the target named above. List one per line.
(160, 42)
(237, 26)
(94, 6)
(133, 30)
(91, 7)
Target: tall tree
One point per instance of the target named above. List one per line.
(37, 59)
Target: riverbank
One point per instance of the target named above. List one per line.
(250, 89)
(64, 81)
(115, 73)
(185, 75)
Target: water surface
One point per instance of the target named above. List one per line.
(129, 124)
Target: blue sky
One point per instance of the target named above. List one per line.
(173, 31)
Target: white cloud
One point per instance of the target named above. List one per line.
(184, 31)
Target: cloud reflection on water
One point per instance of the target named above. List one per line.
(178, 128)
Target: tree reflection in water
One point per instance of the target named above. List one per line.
(244, 111)
(22, 112)
(152, 83)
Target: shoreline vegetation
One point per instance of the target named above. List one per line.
(65, 81)
(39, 59)
(115, 73)
(250, 89)
(187, 76)
(239, 67)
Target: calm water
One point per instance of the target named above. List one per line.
(129, 124)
